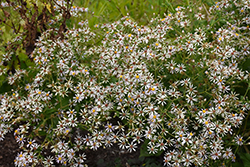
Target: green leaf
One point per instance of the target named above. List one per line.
(1, 80)
(68, 23)
(42, 133)
(245, 157)
(237, 164)
(144, 151)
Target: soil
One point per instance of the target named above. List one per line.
(108, 157)
(8, 151)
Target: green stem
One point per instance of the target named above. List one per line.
(169, 4)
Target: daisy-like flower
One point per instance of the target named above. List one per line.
(95, 145)
(228, 153)
(20, 139)
(122, 144)
(239, 140)
(48, 160)
(59, 159)
(131, 147)
(87, 140)
(31, 143)
(71, 112)
(94, 111)
(215, 154)
(161, 145)
(109, 127)
(187, 160)
(199, 16)
(191, 99)
(152, 149)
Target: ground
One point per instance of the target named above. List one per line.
(108, 157)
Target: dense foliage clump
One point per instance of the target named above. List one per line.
(171, 84)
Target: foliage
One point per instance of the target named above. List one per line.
(177, 81)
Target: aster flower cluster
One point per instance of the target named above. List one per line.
(158, 84)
